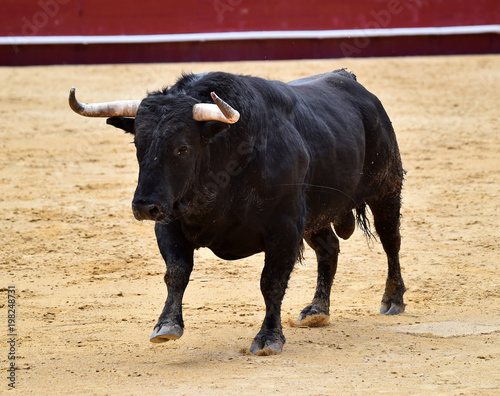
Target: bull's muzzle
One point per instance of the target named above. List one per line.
(147, 211)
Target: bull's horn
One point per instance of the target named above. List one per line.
(120, 108)
(220, 111)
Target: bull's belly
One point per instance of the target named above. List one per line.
(230, 254)
(233, 243)
(231, 247)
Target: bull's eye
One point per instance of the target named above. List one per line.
(182, 150)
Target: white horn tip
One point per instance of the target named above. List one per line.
(73, 102)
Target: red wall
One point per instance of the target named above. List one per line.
(112, 17)
(124, 17)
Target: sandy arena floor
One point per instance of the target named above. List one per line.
(89, 278)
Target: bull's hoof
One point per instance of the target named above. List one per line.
(265, 345)
(313, 316)
(166, 333)
(392, 308)
(267, 348)
(319, 320)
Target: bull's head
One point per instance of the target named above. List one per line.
(170, 135)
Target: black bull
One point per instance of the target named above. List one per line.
(301, 157)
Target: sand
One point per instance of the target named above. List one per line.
(89, 278)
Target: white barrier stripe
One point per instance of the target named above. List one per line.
(258, 35)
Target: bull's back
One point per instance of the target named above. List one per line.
(342, 124)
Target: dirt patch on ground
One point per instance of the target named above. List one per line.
(89, 278)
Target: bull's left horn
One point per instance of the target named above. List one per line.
(119, 108)
(220, 111)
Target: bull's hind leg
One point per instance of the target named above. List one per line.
(386, 214)
(326, 245)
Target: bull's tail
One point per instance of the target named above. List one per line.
(364, 222)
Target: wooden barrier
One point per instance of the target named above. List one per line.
(96, 31)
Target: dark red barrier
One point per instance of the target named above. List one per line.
(31, 19)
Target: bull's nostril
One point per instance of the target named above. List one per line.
(145, 211)
(154, 212)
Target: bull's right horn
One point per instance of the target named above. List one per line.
(120, 108)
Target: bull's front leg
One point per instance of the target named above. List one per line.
(178, 255)
(279, 262)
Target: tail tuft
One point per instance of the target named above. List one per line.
(364, 222)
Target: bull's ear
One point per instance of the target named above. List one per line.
(125, 123)
(212, 128)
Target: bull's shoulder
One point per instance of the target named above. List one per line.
(238, 90)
